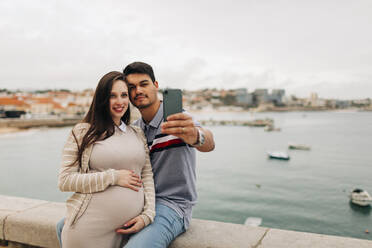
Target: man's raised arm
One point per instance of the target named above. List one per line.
(183, 126)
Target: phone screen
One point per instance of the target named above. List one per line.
(172, 102)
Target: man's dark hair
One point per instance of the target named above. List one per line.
(139, 67)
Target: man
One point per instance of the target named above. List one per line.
(172, 151)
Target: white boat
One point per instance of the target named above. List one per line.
(269, 128)
(253, 221)
(298, 147)
(278, 155)
(360, 197)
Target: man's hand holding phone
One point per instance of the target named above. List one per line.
(182, 126)
(176, 122)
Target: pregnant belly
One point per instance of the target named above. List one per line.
(115, 206)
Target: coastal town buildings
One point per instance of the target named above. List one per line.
(65, 103)
(243, 98)
(44, 106)
(13, 103)
(47, 103)
(277, 97)
(315, 101)
(293, 101)
(261, 96)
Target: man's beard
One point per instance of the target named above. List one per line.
(143, 106)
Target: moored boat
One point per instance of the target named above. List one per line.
(299, 147)
(278, 155)
(360, 197)
(253, 221)
(269, 128)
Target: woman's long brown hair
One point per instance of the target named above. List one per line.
(101, 124)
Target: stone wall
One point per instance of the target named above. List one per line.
(34, 123)
(26, 223)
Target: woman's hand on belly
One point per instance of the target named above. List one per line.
(129, 179)
(133, 226)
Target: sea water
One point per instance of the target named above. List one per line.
(237, 180)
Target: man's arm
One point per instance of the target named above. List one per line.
(209, 141)
(183, 126)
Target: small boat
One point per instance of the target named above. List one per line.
(278, 155)
(360, 197)
(269, 128)
(299, 147)
(253, 221)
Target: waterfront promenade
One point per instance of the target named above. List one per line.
(27, 223)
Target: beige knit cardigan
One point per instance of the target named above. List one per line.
(84, 181)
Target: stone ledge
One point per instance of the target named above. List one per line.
(203, 233)
(290, 239)
(38, 225)
(10, 205)
(30, 223)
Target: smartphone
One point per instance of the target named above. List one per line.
(172, 102)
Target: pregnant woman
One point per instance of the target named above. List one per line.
(105, 161)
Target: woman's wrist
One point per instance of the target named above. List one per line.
(115, 177)
(146, 219)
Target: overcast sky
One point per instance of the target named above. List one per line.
(320, 46)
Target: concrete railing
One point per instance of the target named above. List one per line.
(32, 223)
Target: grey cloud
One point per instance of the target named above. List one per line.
(250, 44)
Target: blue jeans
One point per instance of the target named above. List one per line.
(59, 228)
(166, 227)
